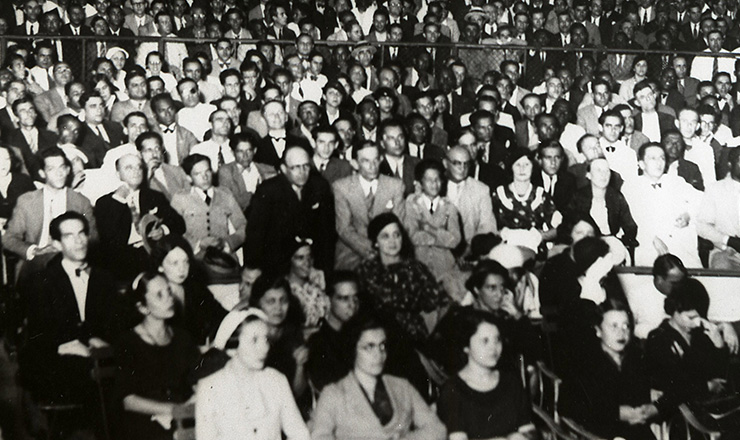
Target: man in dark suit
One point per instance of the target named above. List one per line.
(98, 135)
(419, 139)
(669, 96)
(271, 147)
(119, 216)
(72, 309)
(28, 138)
(675, 147)
(73, 49)
(330, 167)
(116, 18)
(649, 121)
(31, 14)
(432, 34)
(243, 176)
(396, 161)
(539, 60)
(176, 139)
(685, 85)
(296, 203)
(493, 143)
(553, 176)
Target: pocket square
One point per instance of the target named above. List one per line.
(316, 206)
(389, 205)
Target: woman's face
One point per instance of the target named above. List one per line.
(687, 320)
(492, 292)
(355, 33)
(390, 240)
(485, 346)
(301, 262)
(102, 88)
(614, 331)
(581, 230)
(371, 352)
(275, 305)
(357, 75)
(431, 183)
(118, 60)
(253, 345)
(641, 68)
(160, 303)
(4, 162)
(176, 266)
(522, 169)
(385, 104)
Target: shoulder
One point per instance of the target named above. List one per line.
(390, 182)
(344, 183)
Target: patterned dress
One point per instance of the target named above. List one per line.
(313, 298)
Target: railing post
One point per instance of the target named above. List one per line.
(84, 61)
(3, 48)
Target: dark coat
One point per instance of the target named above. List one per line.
(409, 165)
(617, 211)
(46, 139)
(95, 146)
(565, 187)
(267, 154)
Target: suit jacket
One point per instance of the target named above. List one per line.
(535, 70)
(521, 131)
(476, 209)
(229, 177)
(336, 169)
(24, 228)
(718, 216)
(46, 139)
(674, 101)
(690, 173)
(212, 220)
(175, 181)
(353, 215)
(665, 121)
(73, 50)
(617, 209)
(343, 411)
(121, 109)
(637, 140)
(277, 216)
(619, 72)
(49, 104)
(6, 124)
(565, 186)
(257, 123)
(185, 140)
(129, 22)
(588, 120)
(267, 154)
(690, 90)
(409, 165)
(95, 146)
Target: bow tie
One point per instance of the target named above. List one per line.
(168, 129)
(84, 268)
(656, 185)
(611, 148)
(277, 138)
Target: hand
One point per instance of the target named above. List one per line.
(74, 348)
(508, 306)
(516, 436)
(682, 220)
(78, 179)
(300, 355)
(716, 386)
(648, 411)
(734, 242)
(49, 249)
(712, 331)
(210, 242)
(156, 234)
(660, 246)
(97, 343)
(730, 337)
(633, 416)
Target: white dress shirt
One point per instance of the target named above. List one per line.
(211, 148)
(251, 177)
(79, 284)
(368, 187)
(623, 159)
(702, 155)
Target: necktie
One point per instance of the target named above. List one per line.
(84, 268)
(382, 403)
(370, 198)
(168, 129)
(135, 215)
(220, 157)
(208, 200)
(322, 168)
(681, 87)
(397, 171)
(76, 31)
(715, 66)
(431, 208)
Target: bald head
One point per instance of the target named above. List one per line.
(457, 163)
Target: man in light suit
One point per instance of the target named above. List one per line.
(588, 116)
(685, 84)
(28, 229)
(54, 101)
(471, 197)
(176, 139)
(331, 168)
(396, 162)
(137, 89)
(163, 177)
(358, 199)
(296, 203)
(243, 176)
(138, 21)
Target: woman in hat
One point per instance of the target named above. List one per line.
(118, 57)
(307, 283)
(196, 310)
(101, 84)
(525, 213)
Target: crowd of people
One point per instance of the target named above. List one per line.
(309, 230)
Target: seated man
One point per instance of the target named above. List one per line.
(119, 216)
(163, 177)
(28, 229)
(176, 139)
(209, 212)
(28, 138)
(217, 147)
(98, 134)
(72, 308)
(242, 176)
(324, 161)
(192, 115)
(137, 90)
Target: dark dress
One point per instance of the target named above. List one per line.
(157, 373)
(201, 315)
(326, 357)
(19, 185)
(495, 413)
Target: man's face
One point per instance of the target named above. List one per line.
(723, 85)
(369, 116)
(244, 153)
(425, 107)
(505, 88)
(131, 170)
(521, 23)
(220, 123)
(380, 22)
(432, 33)
(15, 91)
(94, 110)
(646, 99)
(224, 49)
(368, 163)
(714, 41)
(512, 72)
(653, 164)
(612, 128)
(56, 172)
(304, 45)
(189, 94)
(688, 123)
(629, 121)
(73, 240)
(44, 57)
(139, 7)
(308, 113)
(284, 83)
(457, 164)
(599, 173)
(483, 129)
(550, 160)
(164, 25)
(554, 88)
(69, 132)
(393, 141)
(275, 115)
(201, 175)
(231, 107)
(395, 34)
(547, 128)
(538, 20)
(532, 108)
(297, 166)
(115, 17)
(674, 146)
(232, 86)
(668, 80)
(32, 10)
(387, 78)
(165, 112)
(602, 95)
(346, 132)
(235, 22)
(137, 88)
(193, 71)
(26, 113)
(564, 23)
(418, 131)
(51, 23)
(62, 74)
(152, 153)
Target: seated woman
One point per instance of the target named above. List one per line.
(611, 397)
(197, 311)
(431, 220)
(307, 283)
(525, 213)
(605, 204)
(482, 401)
(155, 361)
(397, 285)
(265, 407)
(288, 354)
(367, 403)
(686, 356)
(325, 347)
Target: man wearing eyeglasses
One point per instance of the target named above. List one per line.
(471, 197)
(295, 203)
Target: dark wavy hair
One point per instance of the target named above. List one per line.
(380, 222)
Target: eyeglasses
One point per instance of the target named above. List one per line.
(372, 347)
(459, 163)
